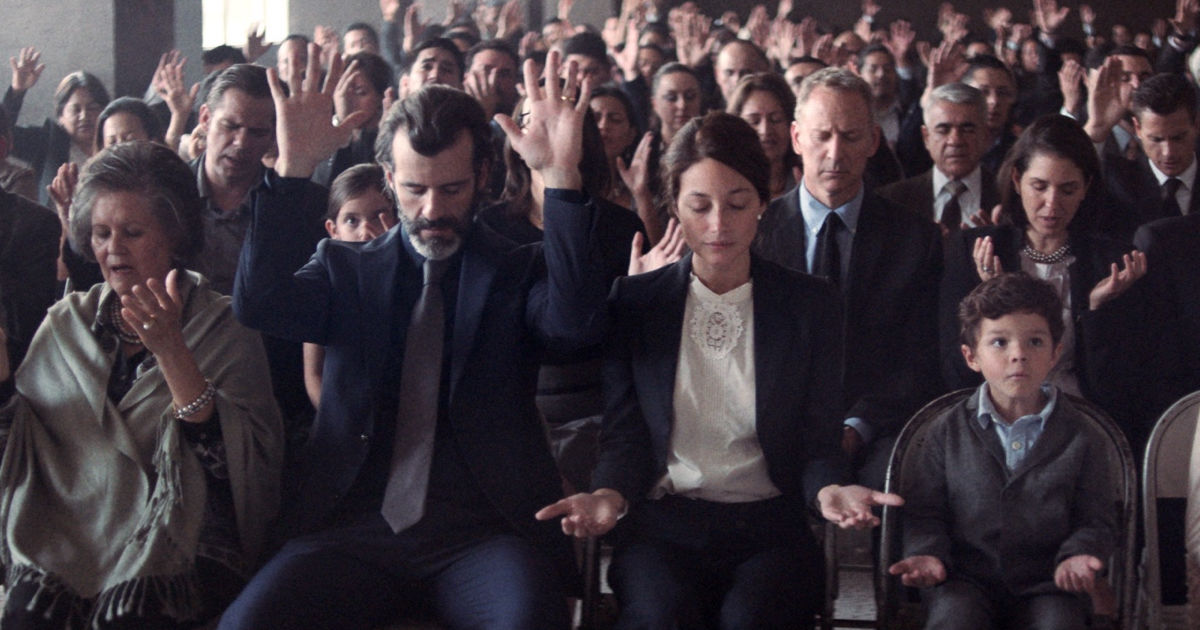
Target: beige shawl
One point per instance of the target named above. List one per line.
(107, 500)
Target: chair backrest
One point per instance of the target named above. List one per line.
(1169, 455)
(914, 435)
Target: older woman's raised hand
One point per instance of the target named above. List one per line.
(668, 250)
(1119, 280)
(154, 311)
(551, 141)
(304, 128)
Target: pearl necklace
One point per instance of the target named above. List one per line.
(1052, 258)
(114, 317)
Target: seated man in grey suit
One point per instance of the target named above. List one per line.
(957, 186)
(885, 259)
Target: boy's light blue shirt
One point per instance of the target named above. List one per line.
(1016, 439)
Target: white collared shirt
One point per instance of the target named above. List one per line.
(1186, 180)
(969, 200)
(889, 122)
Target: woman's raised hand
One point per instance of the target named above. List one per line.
(1119, 279)
(668, 250)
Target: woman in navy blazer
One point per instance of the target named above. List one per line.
(723, 413)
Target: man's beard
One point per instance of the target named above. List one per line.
(438, 247)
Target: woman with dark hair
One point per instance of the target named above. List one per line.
(142, 450)
(766, 102)
(70, 136)
(614, 114)
(127, 119)
(363, 87)
(675, 99)
(1045, 182)
(722, 418)
(569, 396)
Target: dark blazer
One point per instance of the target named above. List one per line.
(1009, 530)
(797, 356)
(29, 236)
(890, 304)
(356, 300)
(1172, 248)
(1102, 337)
(916, 194)
(1132, 197)
(44, 148)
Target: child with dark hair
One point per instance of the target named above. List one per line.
(1009, 517)
(360, 208)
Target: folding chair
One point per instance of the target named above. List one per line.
(1169, 457)
(915, 433)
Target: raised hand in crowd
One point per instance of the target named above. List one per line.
(1121, 277)
(1184, 22)
(25, 68)
(987, 262)
(758, 26)
(62, 191)
(665, 252)
(1048, 16)
(946, 64)
(256, 44)
(304, 131)
(636, 175)
(1104, 106)
(482, 86)
(551, 141)
(389, 9)
(414, 28)
(1070, 82)
(168, 83)
(510, 20)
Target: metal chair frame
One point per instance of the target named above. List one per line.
(1122, 565)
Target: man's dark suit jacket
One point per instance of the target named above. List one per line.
(1002, 529)
(44, 148)
(1132, 197)
(916, 194)
(890, 301)
(29, 236)
(1172, 248)
(356, 300)
(797, 356)
(1103, 339)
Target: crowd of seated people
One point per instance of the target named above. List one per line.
(678, 281)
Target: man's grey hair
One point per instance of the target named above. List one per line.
(838, 80)
(958, 94)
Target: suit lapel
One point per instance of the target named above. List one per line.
(474, 284)
(864, 255)
(773, 327)
(662, 333)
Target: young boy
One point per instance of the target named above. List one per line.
(1009, 517)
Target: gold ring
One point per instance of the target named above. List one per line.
(147, 325)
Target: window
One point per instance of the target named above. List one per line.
(226, 21)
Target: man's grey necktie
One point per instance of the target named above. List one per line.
(416, 420)
(952, 212)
